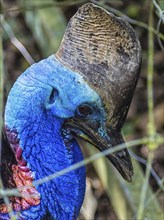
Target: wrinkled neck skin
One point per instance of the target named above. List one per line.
(45, 152)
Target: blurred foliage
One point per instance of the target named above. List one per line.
(125, 197)
(39, 25)
(47, 30)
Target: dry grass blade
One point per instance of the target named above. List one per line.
(6, 199)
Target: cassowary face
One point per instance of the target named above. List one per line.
(71, 98)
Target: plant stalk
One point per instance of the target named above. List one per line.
(151, 125)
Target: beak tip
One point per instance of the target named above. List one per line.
(129, 176)
(122, 164)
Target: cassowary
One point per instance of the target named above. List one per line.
(83, 91)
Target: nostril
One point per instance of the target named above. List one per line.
(122, 155)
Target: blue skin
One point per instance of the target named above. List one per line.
(42, 97)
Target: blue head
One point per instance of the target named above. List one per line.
(42, 98)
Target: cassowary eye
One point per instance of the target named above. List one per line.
(84, 110)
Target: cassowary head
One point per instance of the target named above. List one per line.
(84, 91)
(104, 50)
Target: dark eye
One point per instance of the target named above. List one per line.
(84, 110)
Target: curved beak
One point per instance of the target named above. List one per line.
(104, 140)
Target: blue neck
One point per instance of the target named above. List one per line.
(46, 153)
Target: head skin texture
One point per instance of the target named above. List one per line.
(97, 65)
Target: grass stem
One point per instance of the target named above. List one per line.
(151, 125)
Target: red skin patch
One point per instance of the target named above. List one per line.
(22, 177)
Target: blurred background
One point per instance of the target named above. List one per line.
(33, 29)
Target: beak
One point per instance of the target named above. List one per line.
(103, 141)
